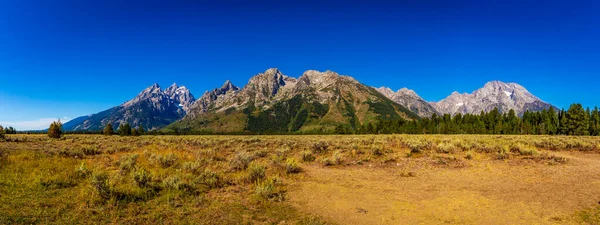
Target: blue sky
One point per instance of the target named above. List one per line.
(63, 59)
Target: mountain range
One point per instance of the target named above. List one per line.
(272, 102)
(153, 108)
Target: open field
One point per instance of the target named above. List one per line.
(384, 179)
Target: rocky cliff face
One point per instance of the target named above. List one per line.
(409, 99)
(152, 108)
(495, 94)
(274, 102)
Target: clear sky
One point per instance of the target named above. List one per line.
(63, 59)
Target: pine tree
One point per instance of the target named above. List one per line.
(108, 130)
(1, 133)
(140, 130)
(577, 120)
(595, 122)
(55, 130)
(124, 129)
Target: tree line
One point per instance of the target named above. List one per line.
(574, 121)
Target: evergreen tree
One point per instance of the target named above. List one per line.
(563, 128)
(55, 130)
(577, 120)
(108, 130)
(595, 122)
(124, 129)
(140, 130)
(1, 133)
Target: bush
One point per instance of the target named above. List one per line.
(100, 183)
(327, 162)
(55, 130)
(377, 151)
(2, 136)
(503, 154)
(291, 166)
(194, 167)
(320, 147)
(172, 183)
(168, 160)
(307, 156)
(337, 158)
(241, 160)
(256, 172)
(267, 190)
(209, 180)
(445, 148)
(91, 150)
(127, 162)
(82, 170)
(469, 155)
(142, 177)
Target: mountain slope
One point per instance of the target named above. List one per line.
(409, 99)
(153, 108)
(495, 94)
(273, 102)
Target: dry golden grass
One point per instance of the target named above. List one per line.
(386, 179)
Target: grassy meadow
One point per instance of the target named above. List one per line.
(328, 179)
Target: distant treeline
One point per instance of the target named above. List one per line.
(575, 121)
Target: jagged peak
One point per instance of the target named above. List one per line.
(407, 91)
(228, 86)
(153, 86)
(272, 71)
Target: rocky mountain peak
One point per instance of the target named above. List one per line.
(171, 89)
(228, 86)
(494, 94)
(409, 92)
(409, 99)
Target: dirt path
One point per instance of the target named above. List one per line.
(486, 192)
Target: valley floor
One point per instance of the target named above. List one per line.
(368, 179)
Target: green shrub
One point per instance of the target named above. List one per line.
(241, 160)
(55, 130)
(320, 147)
(327, 162)
(377, 151)
(194, 167)
(209, 180)
(445, 148)
(91, 150)
(82, 171)
(167, 160)
(142, 177)
(469, 155)
(307, 156)
(127, 163)
(256, 172)
(101, 183)
(291, 166)
(268, 190)
(503, 154)
(337, 158)
(172, 183)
